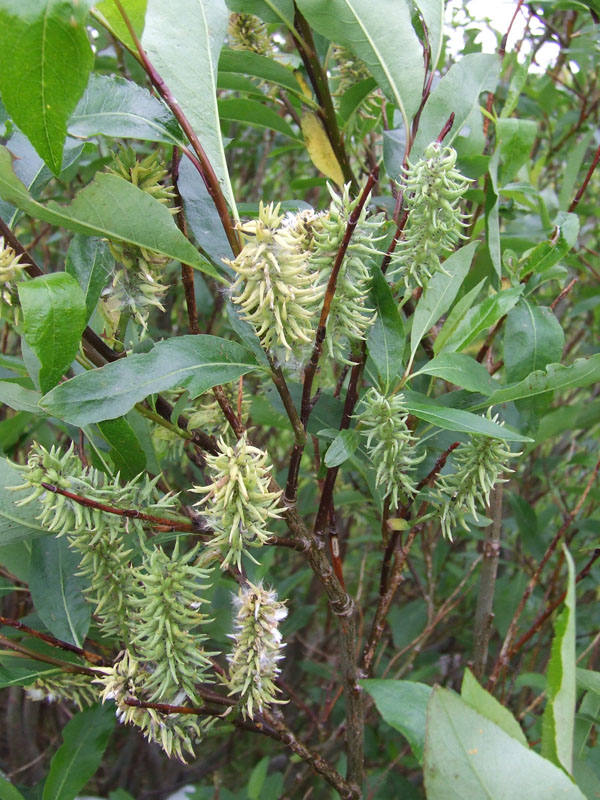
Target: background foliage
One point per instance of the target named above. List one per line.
(415, 666)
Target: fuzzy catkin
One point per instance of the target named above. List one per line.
(479, 465)
(12, 272)
(137, 283)
(390, 444)
(350, 315)
(257, 648)
(166, 614)
(275, 286)
(99, 537)
(238, 502)
(433, 188)
(125, 683)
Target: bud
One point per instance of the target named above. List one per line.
(239, 503)
(433, 188)
(253, 663)
(390, 444)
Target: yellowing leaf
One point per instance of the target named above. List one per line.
(320, 149)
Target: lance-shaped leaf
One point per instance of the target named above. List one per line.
(533, 338)
(45, 58)
(16, 522)
(455, 419)
(386, 337)
(382, 35)
(440, 293)
(481, 317)
(110, 207)
(91, 263)
(559, 715)
(460, 369)
(85, 737)
(53, 320)
(582, 372)
(195, 363)
(190, 72)
(468, 756)
(57, 590)
(403, 705)
(125, 450)
(114, 106)
(457, 92)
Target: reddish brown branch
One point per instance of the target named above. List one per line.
(93, 658)
(563, 294)
(586, 180)
(505, 650)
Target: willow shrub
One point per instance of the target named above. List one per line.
(299, 401)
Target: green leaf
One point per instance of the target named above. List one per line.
(45, 59)
(199, 28)
(403, 705)
(18, 671)
(257, 779)
(15, 396)
(432, 12)
(53, 320)
(84, 741)
(114, 106)
(462, 370)
(457, 92)
(382, 35)
(492, 215)
(32, 171)
(582, 372)
(486, 704)
(8, 791)
(455, 317)
(516, 140)
(91, 263)
(260, 115)
(16, 522)
(267, 10)
(588, 679)
(342, 448)
(468, 756)
(245, 62)
(439, 293)
(136, 13)
(455, 419)
(195, 363)
(57, 590)
(110, 207)
(481, 317)
(547, 254)
(574, 161)
(558, 722)
(353, 97)
(125, 450)
(533, 338)
(386, 337)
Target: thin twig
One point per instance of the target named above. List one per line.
(586, 180)
(93, 658)
(563, 294)
(503, 657)
(487, 584)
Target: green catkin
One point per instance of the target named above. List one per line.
(126, 680)
(12, 272)
(433, 188)
(97, 536)
(479, 465)
(247, 32)
(238, 502)
(68, 687)
(136, 286)
(275, 287)
(257, 648)
(390, 445)
(350, 315)
(167, 611)
(349, 70)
